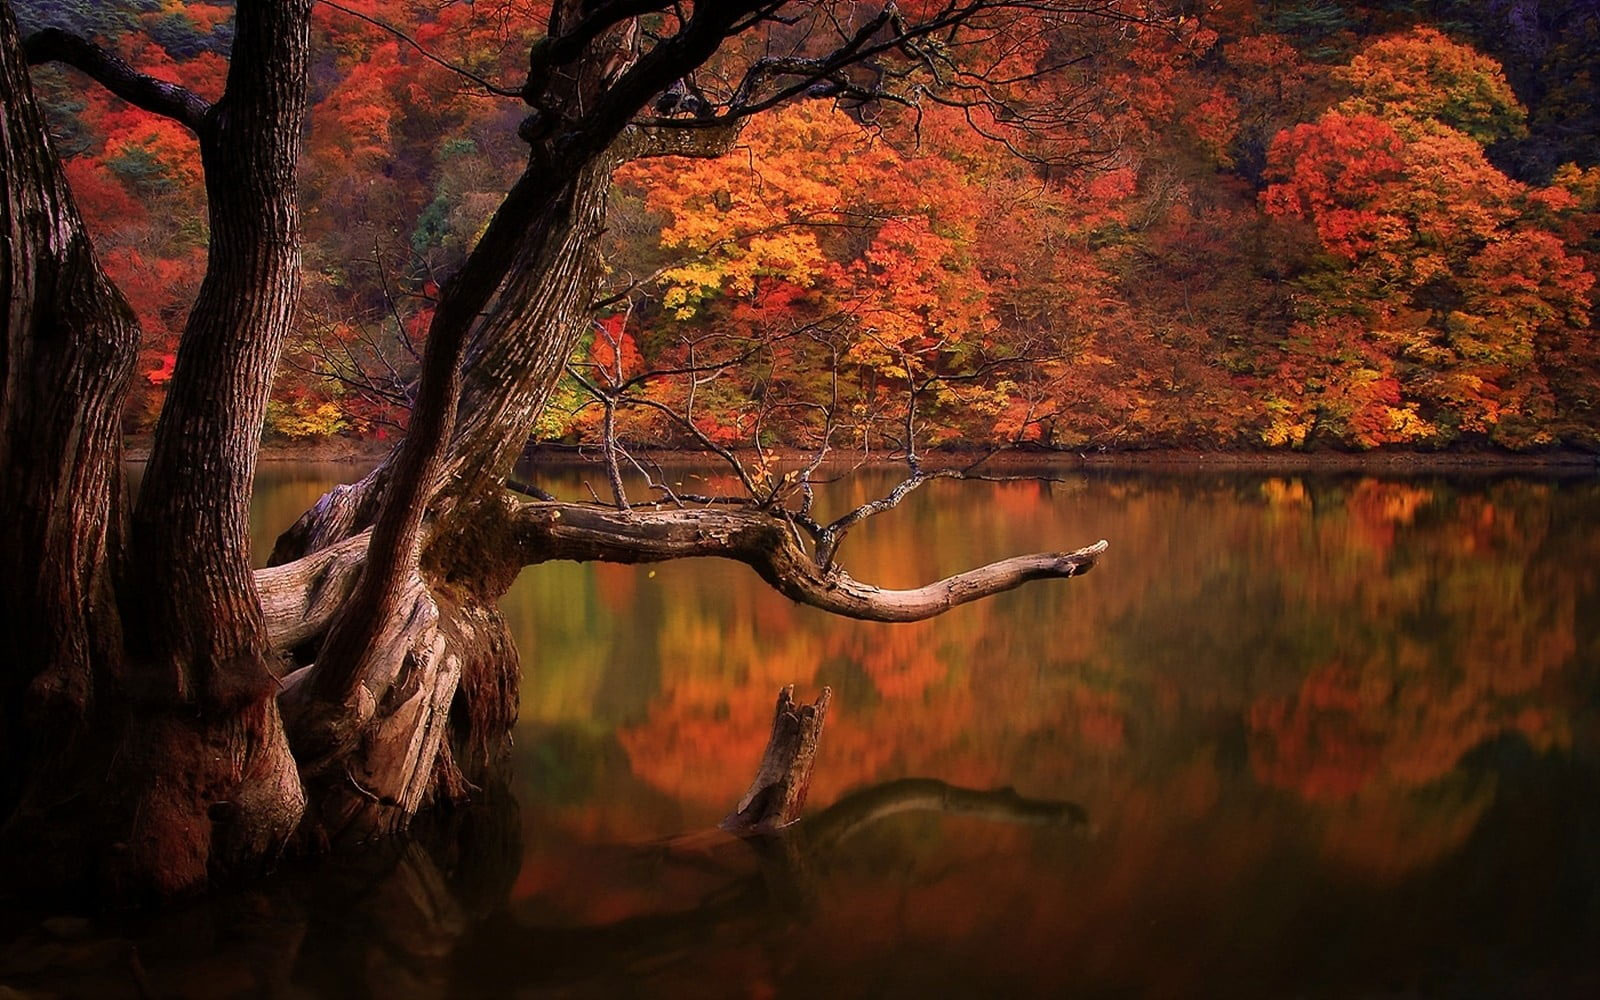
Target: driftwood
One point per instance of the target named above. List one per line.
(299, 598)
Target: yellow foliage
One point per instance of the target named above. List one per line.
(302, 419)
(1421, 79)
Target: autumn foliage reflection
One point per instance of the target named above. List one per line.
(1357, 638)
(1296, 710)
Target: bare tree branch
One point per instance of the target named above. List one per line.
(763, 542)
(169, 100)
(301, 598)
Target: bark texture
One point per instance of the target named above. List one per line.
(67, 350)
(767, 544)
(172, 763)
(216, 788)
(199, 628)
(368, 721)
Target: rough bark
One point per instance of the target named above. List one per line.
(516, 355)
(397, 635)
(215, 788)
(198, 626)
(367, 720)
(518, 351)
(391, 597)
(450, 662)
(536, 270)
(181, 770)
(67, 350)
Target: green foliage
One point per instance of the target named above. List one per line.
(96, 18)
(1421, 79)
(178, 35)
(433, 226)
(1314, 25)
(143, 170)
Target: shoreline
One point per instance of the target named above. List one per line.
(1167, 459)
(341, 451)
(335, 450)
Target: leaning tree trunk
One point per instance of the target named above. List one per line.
(456, 641)
(439, 596)
(421, 615)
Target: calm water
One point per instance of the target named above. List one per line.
(1296, 736)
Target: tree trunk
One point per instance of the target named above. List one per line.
(68, 350)
(218, 789)
(778, 792)
(197, 620)
(143, 669)
(421, 619)
(175, 766)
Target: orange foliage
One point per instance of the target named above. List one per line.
(1365, 637)
(1253, 245)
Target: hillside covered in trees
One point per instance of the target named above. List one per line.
(1294, 224)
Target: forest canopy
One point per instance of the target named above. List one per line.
(1291, 224)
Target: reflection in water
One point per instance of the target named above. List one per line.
(733, 901)
(1336, 736)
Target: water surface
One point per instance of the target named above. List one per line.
(1296, 736)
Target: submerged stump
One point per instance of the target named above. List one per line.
(778, 793)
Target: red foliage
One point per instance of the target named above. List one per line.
(1263, 247)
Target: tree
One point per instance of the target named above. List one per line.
(1443, 284)
(169, 716)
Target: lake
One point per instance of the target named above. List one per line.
(1297, 735)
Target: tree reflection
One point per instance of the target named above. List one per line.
(429, 916)
(740, 893)
(1344, 641)
(1337, 734)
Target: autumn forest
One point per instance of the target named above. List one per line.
(1301, 224)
